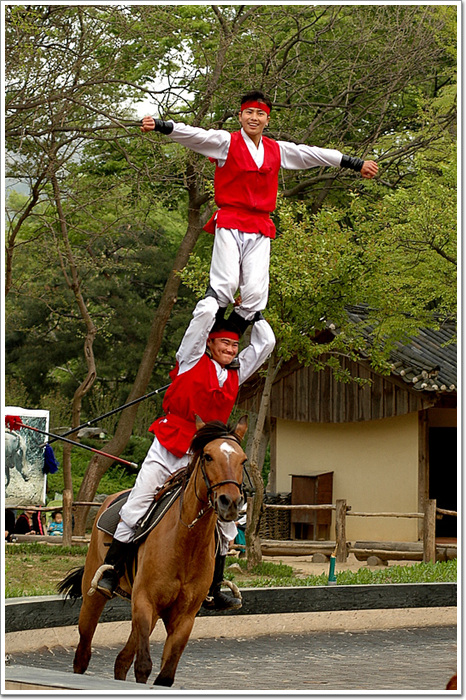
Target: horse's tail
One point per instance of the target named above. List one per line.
(71, 584)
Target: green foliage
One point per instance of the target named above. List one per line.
(127, 198)
(117, 478)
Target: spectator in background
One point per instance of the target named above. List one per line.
(25, 524)
(29, 523)
(56, 526)
(9, 523)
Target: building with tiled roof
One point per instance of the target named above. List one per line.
(390, 443)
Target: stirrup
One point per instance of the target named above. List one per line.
(98, 576)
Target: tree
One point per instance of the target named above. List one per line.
(342, 76)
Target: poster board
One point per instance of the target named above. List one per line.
(25, 481)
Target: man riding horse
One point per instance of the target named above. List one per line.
(205, 383)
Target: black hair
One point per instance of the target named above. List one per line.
(257, 95)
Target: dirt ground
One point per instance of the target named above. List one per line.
(253, 625)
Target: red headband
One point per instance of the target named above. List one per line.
(224, 334)
(256, 105)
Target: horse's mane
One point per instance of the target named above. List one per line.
(210, 431)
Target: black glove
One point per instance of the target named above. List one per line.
(163, 127)
(351, 163)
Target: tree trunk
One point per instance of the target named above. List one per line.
(255, 505)
(70, 272)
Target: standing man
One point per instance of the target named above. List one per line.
(246, 187)
(201, 385)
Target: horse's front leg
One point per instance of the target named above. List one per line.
(144, 619)
(178, 631)
(125, 657)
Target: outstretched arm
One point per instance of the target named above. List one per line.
(301, 157)
(213, 143)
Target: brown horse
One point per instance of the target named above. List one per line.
(175, 564)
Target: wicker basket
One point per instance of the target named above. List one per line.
(276, 524)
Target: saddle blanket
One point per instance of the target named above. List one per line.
(110, 518)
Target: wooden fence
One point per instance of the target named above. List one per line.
(342, 511)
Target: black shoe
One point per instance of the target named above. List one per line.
(108, 583)
(116, 557)
(222, 601)
(238, 322)
(216, 600)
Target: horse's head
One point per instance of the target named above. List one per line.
(218, 452)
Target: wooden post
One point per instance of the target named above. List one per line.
(423, 467)
(340, 529)
(430, 512)
(67, 516)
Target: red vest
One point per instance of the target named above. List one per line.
(195, 392)
(244, 193)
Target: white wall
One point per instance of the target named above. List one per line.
(375, 465)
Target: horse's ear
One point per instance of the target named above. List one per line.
(241, 427)
(199, 423)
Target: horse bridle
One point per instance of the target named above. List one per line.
(211, 487)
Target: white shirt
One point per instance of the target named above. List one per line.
(215, 143)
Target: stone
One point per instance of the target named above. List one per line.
(376, 561)
(319, 558)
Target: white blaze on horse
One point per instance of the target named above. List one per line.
(175, 563)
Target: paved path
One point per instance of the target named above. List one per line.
(421, 658)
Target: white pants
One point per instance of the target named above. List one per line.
(158, 465)
(241, 261)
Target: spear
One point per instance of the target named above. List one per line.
(110, 413)
(15, 423)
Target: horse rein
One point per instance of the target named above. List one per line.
(210, 487)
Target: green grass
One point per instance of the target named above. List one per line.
(269, 574)
(33, 569)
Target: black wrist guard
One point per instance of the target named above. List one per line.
(352, 163)
(163, 127)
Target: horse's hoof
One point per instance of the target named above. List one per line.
(167, 682)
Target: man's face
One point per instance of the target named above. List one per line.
(253, 121)
(223, 350)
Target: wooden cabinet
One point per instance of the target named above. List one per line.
(311, 489)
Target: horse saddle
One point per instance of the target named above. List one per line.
(163, 500)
